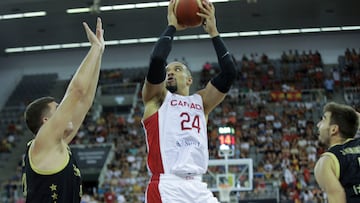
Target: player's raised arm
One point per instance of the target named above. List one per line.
(215, 90)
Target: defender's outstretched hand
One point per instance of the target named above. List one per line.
(208, 14)
(98, 38)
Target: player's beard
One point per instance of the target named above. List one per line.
(172, 88)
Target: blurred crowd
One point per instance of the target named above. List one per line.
(279, 135)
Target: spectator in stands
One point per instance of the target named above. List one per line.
(329, 87)
(289, 177)
(304, 57)
(296, 56)
(284, 57)
(255, 58)
(336, 77)
(5, 146)
(244, 62)
(176, 122)
(53, 175)
(110, 196)
(349, 64)
(317, 60)
(355, 58)
(337, 170)
(291, 56)
(264, 59)
(206, 73)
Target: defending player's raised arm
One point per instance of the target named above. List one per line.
(96, 39)
(79, 95)
(325, 174)
(216, 89)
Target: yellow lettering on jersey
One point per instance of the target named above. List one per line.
(23, 179)
(356, 189)
(350, 150)
(81, 192)
(76, 171)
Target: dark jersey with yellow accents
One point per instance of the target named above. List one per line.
(60, 186)
(347, 157)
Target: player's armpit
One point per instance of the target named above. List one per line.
(325, 175)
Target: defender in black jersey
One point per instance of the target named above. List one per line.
(62, 185)
(50, 174)
(338, 169)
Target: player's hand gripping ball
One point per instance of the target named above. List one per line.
(185, 11)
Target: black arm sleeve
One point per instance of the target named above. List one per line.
(157, 73)
(226, 77)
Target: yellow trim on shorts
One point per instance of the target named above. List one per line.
(48, 172)
(335, 161)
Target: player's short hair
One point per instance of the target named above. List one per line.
(345, 117)
(35, 111)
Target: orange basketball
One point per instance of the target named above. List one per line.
(185, 11)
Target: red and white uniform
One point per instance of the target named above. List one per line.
(176, 137)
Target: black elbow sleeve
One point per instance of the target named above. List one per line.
(226, 77)
(157, 73)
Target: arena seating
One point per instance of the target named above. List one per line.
(274, 127)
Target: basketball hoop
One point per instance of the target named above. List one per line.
(224, 192)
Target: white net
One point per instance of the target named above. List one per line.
(224, 192)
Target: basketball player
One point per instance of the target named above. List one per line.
(175, 122)
(338, 170)
(50, 173)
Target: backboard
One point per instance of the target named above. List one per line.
(235, 172)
